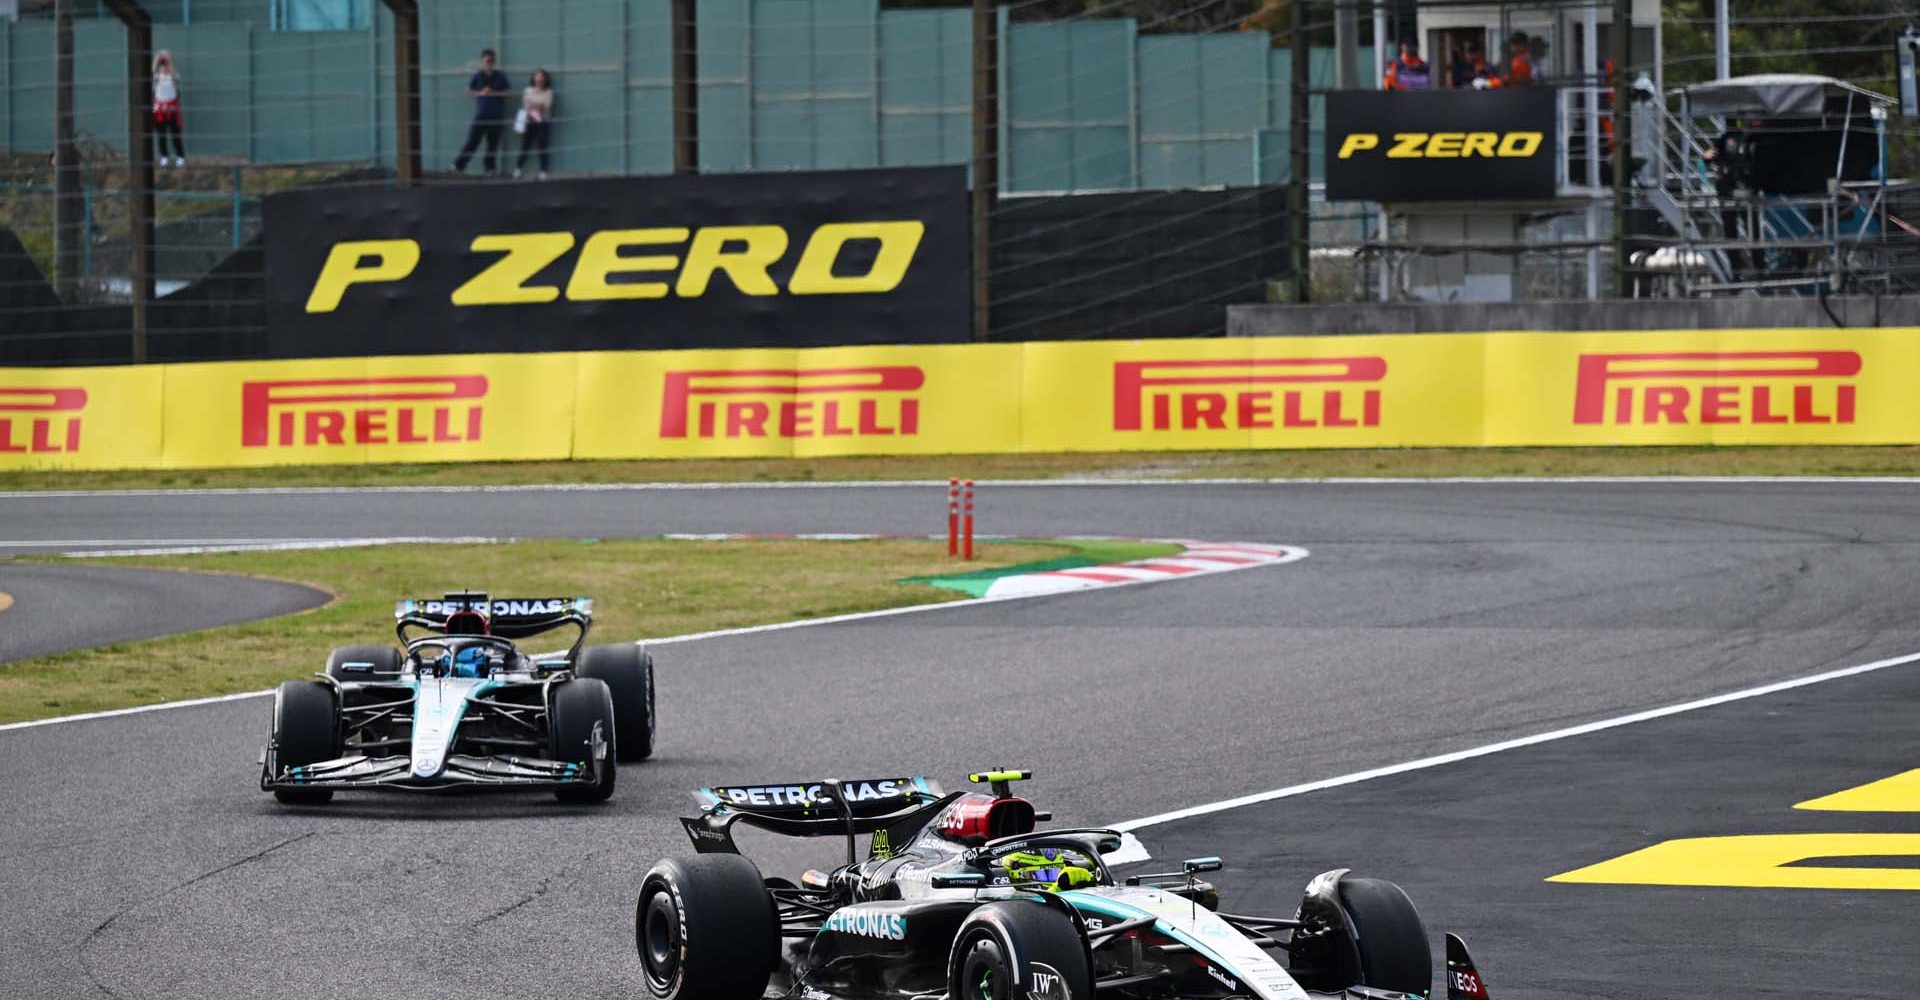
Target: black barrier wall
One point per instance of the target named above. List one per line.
(767, 260)
(760, 260)
(1134, 264)
(1441, 145)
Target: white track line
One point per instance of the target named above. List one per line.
(941, 483)
(1291, 554)
(194, 547)
(1514, 744)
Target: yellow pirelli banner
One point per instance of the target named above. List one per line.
(80, 418)
(785, 403)
(1466, 390)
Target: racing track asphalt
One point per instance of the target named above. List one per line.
(63, 607)
(1429, 618)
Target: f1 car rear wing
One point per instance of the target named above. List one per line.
(811, 809)
(506, 617)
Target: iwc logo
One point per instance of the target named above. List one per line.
(1046, 983)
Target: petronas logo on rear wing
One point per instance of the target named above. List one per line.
(812, 799)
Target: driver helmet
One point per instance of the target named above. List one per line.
(471, 662)
(1050, 868)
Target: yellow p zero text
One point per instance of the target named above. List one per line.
(648, 263)
(1445, 145)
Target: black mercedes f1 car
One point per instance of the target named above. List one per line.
(459, 705)
(960, 896)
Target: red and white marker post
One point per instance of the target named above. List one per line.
(966, 529)
(953, 517)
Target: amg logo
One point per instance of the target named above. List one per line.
(874, 401)
(411, 409)
(1194, 395)
(28, 422)
(1717, 387)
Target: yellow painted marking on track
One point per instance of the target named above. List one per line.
(6, 600)
(1900, 793)
(1760, 862)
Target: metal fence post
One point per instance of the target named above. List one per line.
(1299, 141)
(238, 179)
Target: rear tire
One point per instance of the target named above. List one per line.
(306, 730)
(1053, 963)
(579, 706)
(628, 672)
(1391, 937)
(386, 662)
(706, 929)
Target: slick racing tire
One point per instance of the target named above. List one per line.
(579, 706)
(385, 662)
(1051, 958)
(706, 929)
(628, 672)
(306, 730)
(1391, 938)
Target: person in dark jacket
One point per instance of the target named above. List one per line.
(489, 89)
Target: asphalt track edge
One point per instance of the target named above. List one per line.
(1423, 763)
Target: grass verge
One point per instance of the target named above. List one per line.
(1418, 462)
(642, 588)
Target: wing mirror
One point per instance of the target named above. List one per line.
(1194, 866)
(958, 880)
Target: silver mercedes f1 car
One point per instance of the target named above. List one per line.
(459, 705)
(960, 897)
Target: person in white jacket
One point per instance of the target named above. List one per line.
(536, 120)
(166, 107)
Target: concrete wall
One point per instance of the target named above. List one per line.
(1477, 317)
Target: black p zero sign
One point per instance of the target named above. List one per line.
(1441, 145)
(761, 260)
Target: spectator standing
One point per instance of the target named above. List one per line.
(166, 108)
(489, 88)
(535, 123)
(1408, 72)
(1519, 61)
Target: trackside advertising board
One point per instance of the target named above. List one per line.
(1442, 145)
(1851, 386)
(768, 259)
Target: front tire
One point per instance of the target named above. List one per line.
(628, 672)
(1014, 950)
(306, 730)
(706, 929)
(580, 707)
(1392, 939)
